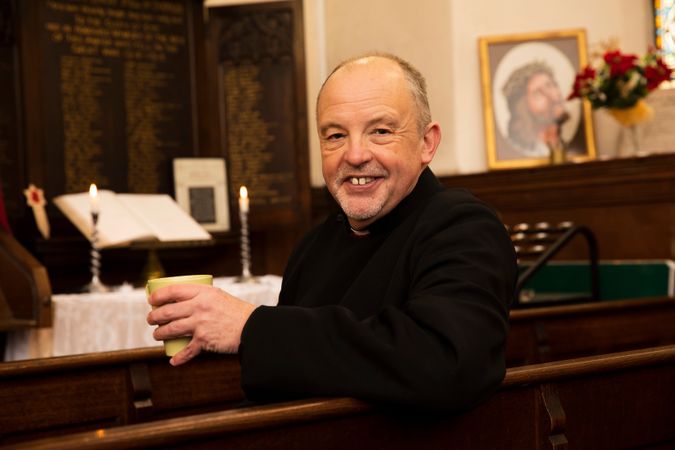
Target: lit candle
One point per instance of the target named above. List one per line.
(93, 197)
(243, 200)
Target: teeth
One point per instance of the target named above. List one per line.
(362, 180)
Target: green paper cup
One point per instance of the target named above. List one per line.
(173, 346)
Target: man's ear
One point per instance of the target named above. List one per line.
(431, 139)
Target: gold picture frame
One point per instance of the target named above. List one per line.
(525, 81)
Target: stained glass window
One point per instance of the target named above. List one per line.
(664, 25)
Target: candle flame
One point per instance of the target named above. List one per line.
(92, 190)
(243, 192)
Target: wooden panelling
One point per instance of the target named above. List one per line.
(83, 392)
(95, 100)
(558, 332)
(259, 81)
(628, 203)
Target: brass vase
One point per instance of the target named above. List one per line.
(630, 117)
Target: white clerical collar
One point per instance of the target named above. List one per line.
(360, 232)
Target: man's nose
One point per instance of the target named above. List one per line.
(357, 152)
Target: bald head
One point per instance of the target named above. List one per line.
(387, 65)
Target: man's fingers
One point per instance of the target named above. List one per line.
(174, 329)
(212, 317)
(169, 312)
(185, 355)
(175, 293)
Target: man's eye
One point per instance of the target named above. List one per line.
(381, 131)
(335, 136)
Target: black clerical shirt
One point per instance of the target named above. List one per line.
(413, 314)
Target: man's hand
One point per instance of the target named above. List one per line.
(211, 316)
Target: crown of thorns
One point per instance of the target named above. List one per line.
(516, 85)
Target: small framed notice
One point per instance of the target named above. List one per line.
(201, 190)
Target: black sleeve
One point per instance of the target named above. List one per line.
(442, 350)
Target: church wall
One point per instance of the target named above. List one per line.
(441, 38)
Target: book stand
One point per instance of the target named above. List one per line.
(153, 266)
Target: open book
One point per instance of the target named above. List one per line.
(127, 218)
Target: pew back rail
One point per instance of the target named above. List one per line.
(55, 396)
(82, 392)
(581, 403)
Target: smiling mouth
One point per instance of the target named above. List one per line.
(360, 181)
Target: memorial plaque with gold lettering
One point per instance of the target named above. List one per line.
(10, 173)
(116, 83)
(261, 107)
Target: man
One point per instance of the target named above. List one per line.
(537, 110)
(401, 299)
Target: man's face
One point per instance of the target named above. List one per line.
(371, 149)
(544, 99)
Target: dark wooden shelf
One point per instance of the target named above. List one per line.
(629, 203)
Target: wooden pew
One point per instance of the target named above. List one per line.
(558, 332)
(48, 397)
(25, 291)
(620, 400)
(45, 397)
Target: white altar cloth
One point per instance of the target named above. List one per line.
(95, 322)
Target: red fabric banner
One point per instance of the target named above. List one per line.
(4, 222)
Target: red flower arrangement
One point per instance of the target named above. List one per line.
(620, 83)
(621, 80)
